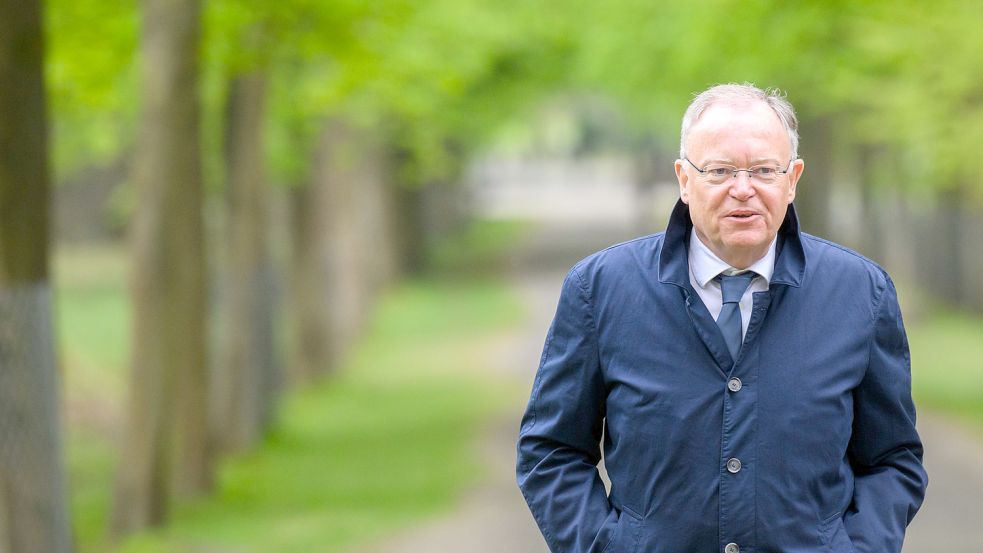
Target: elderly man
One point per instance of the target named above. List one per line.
(751, 382)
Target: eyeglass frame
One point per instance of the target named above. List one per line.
(736, 170)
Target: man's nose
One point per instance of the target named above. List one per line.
(741, 186)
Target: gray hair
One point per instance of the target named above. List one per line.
(740, 93)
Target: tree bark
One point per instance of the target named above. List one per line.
(971, 239)
(342, 173)
(948, 222)
(310, 310)
(377, 230)
(165, 443)
(24, 178)
(327, 287)
(410, 227)
(246, 382)
(813, 191)
(344, 245)
(871, 241)
(33, 504)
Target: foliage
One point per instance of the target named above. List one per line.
(438, 77)
(91, 76)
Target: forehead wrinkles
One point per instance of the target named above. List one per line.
(724, 146)
(745, 129)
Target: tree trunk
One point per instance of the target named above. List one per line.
(33, 503)
(328, 277)
(24, 179)
(871, 239)
(812, 195)
(344, 172)
(309, 308)
(948, 220)
(344, 246)
(410, 229)
(246, 382)
(376, 229)
(971, 240)
(336, 174)
(165, 443)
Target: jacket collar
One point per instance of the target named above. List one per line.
(790, 262)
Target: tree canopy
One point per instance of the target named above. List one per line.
(442, 76)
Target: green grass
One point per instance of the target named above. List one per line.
(382, 444)
(476, 251)
(947, 365)
(93, 318)
(385, 444)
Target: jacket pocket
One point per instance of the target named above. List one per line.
(834, 535)
(626, 534)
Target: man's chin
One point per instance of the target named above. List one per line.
(748, 247)
(748, 241)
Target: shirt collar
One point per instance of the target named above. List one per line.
(705, 264)
(672, 252)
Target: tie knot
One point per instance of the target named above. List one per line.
(732, 287)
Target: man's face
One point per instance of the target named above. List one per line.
(737, 220)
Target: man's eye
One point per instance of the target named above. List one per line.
(764, 171)
(719, 171)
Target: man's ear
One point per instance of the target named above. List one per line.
(683, 179)
(793, 177)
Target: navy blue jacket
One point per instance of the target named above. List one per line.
(821, 421)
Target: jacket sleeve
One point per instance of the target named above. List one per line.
(558, 447)
(885, 450)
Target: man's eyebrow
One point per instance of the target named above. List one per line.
(754, 161)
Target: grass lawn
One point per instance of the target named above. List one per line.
(384, 442)
(947, 365)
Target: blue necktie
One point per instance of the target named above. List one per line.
(732, 288)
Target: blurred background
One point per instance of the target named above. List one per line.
(274, 277)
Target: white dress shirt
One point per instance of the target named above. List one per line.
(704, 266)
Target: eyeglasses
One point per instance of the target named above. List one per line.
(718, 173)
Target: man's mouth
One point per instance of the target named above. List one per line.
(741, 214)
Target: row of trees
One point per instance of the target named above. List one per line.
(348, 111)
(360, 115)
(356, 131)
(888, 96)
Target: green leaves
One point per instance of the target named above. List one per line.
(91, 77)
(439, 72)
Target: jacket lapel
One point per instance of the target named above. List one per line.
(708, 331)
(674, 269)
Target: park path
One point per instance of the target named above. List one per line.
(493, 518)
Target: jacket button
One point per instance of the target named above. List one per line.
(732, 548)
(734, 384)
(733, 467)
